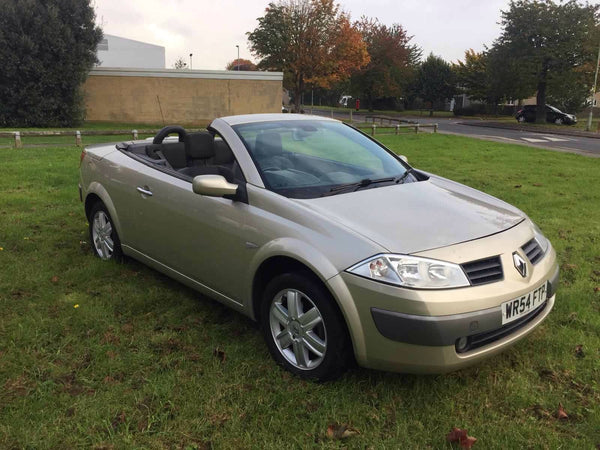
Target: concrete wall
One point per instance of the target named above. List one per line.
(115, 51)
(186, 97)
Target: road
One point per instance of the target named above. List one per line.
(571, 144)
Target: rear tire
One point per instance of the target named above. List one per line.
(303, 328)
(521, 119)
(103, 234)
(558, 121)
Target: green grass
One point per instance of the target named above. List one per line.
(133, 366)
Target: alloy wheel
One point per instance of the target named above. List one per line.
(298, 329)
(102, 235)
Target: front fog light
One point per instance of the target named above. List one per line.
(462, 344)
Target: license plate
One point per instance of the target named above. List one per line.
(521, 306)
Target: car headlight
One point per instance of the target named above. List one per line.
(542, 241)
(411, 271)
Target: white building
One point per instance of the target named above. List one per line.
(115, 51)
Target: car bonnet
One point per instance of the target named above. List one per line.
(420, 216)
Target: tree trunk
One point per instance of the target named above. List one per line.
(540, 115)
(298, 90)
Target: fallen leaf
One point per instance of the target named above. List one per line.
(119, 419)
(54, 279)
(579, 351)
(560, 413)
(111, 355)
(468, 442)
(340, 431)
(517, 186)
(456, 435)
(537, 184)
(76, 305)
(461, 436)
(219, 354)
(597, 289)
(570, 266)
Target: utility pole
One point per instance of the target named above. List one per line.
(191, 61)
(238, 58)
(589, 124)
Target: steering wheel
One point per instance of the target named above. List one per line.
(162, 134)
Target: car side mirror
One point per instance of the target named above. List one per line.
(214, 186)
(404, 158)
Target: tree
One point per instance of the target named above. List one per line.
(241, 64)
(546, 41)
(393, 61)
(488, 77)
(180, 64)
(436, 81)
(311, 41)
(47, 48)
(472, 75)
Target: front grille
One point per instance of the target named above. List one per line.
(533, 251)
(481, 339)
(483, 271)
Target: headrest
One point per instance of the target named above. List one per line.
(223, 154)
(268, 144)
(199, 145)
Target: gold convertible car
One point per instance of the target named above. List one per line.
(334, 244)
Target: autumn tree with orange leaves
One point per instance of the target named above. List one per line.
(312, 41)
(393, 61)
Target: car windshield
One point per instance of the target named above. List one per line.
(313, 158)
(552, 108)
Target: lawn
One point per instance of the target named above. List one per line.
(106, 355)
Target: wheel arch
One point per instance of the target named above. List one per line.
(319, 269)
(97, 193)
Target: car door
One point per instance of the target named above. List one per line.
(200, 237)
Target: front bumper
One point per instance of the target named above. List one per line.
(407, 330)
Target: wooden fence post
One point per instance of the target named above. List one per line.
(78, 138)
(18, 143)
(416, 128)
(332, 113)
(373, 129)
(397, 128)
(350, 116)
(435, 125)
(135, 134)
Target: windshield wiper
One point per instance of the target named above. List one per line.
(358, 184)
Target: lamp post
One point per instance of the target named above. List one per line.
(589, 123)
(191, 61)
(237, 65)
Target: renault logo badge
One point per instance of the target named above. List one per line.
(520, 264)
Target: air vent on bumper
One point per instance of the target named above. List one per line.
(533, 251)
(483, 271)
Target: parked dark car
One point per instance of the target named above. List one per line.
(553, 115)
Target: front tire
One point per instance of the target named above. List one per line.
(303, 328)
(103, 234)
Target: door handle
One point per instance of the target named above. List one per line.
(144, 190)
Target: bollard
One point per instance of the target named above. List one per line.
(18, 143)
(373, 129)
(135, 134)
(78, 138)
(332, 113)
(350, 116)
(435, 125)
(397, 128)
(417, 128)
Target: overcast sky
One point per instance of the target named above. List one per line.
(211, 29)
